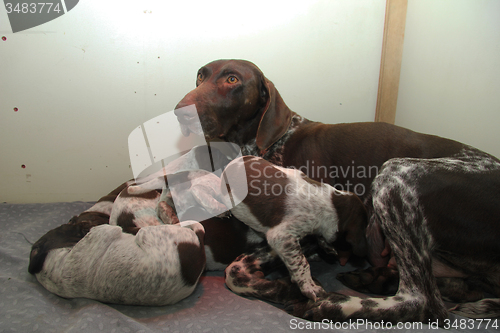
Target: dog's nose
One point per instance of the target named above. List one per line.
(185, 112)
(179, 109)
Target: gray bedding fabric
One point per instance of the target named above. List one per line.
(25, 306)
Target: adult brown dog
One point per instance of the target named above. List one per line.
(433, 203)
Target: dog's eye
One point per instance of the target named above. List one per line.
(232, 79)
(200, 76)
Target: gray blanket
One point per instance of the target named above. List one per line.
(25, 306)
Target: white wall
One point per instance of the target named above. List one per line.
(450, 75)
(84, 81)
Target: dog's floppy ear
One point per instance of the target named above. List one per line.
(352, 221)
(37, 259)
(275, 119)
(66, 235)
(355, 234)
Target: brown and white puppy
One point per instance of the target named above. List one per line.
(183, 191)
(285, 205)
(148, 201)
(198, 158)
(158, 266)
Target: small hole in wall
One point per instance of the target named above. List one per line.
(4, 38)
(23, 166)
(16, 109)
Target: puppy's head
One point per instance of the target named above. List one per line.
(66, 235)
(353, 220)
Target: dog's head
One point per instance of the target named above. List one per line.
(235, 102)
(353, 220)
(66, 235)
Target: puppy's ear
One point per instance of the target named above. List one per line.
(275, 118)
(73, 220)
(37, 258)
(353, 219)
(355, 235)
(82, 229)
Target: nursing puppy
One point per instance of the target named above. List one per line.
(198, 158)
(286, 206)
(158, 266)
(182, 192)
(134, 211)
(149, 201)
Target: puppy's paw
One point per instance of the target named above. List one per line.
(225, 214)
(301, 309)
(374, 280)
(312, 291)
(325, 307)
(328, 248)
(166, 213)
(485, 308)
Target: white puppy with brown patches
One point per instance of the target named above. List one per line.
(158, 266)
(286, 205)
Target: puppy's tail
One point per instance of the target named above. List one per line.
(485, 308)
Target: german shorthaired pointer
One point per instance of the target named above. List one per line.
(432, 202)
(158, 266)
(286, 206)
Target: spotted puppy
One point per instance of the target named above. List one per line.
(148, 201)
(158, 266)
(168, 199)
(198, 158)
(286, 206)
(183, 192)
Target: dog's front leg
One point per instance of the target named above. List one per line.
(246, 276)
(288, 248)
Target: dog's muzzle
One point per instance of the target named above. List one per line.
(188, 118)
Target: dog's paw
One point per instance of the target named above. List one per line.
(225, 214)
(325, 307)
(328, 248)
(301, 309)
(312, 290)
(485, 308)
(166, 213)
(375, 280)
